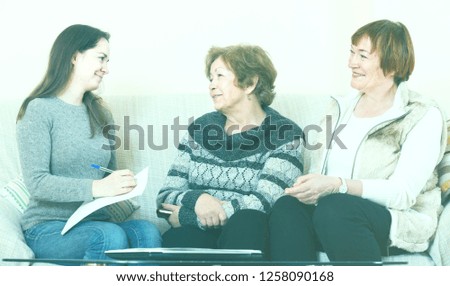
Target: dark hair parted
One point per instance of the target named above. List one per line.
(75, 38)
(392, 42)
(248, 63)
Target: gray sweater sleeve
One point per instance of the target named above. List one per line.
(34, 138)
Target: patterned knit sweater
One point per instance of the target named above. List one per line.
(248, 170)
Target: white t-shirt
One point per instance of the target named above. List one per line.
(340, 160)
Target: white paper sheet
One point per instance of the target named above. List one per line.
(87, 208)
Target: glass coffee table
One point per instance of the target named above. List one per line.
(196, 262)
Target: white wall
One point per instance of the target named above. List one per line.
(158, 47)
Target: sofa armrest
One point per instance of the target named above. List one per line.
(12, 241)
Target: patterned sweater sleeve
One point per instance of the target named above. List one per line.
(176, 186)
(280, 171)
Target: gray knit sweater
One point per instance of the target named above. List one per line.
(249, 170)
(56, 152)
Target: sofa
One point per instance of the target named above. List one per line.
(148, 130)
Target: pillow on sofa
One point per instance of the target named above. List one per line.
(444, 170)
(17, 194)
(122, 210)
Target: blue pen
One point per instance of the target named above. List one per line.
(95, 166)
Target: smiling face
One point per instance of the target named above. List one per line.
(91, 66)
(367, 74)
(226, 95)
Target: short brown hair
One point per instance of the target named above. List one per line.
(392, 42)
(247, 62)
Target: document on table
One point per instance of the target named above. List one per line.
(89, 207)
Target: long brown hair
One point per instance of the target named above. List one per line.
(75, 38)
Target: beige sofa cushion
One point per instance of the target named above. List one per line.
(148, 128)
(142, 121)
(9, 156)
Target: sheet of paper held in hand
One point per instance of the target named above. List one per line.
(87, 208)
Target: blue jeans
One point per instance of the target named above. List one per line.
(89, 240)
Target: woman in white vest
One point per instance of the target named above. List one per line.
(371, 188)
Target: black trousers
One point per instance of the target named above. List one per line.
(346, 227)
(246, 229)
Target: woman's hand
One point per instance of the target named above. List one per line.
(117, 183)
(209, 211)
(173, 218)
(310, 188)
